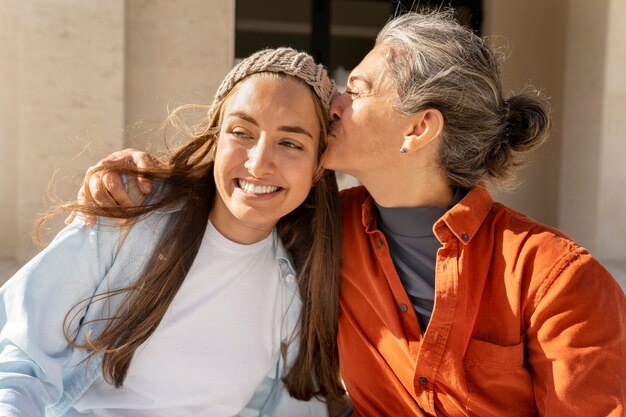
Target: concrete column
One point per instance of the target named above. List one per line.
(531, 36)
(69, 88)
(8, 126)
(582, 129)
(74, 74)
(177, 52)
(611, 219)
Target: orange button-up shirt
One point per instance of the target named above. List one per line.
(525, 323)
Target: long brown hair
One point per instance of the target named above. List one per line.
(311, 233)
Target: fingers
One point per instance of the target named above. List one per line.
(145, 161)
(126, 157)
(145, 185)
(105, 186)
(106, 189)
(89, 219)
(131, 159)
(113, 192)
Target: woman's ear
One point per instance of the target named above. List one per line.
(425, 127)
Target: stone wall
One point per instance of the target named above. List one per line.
(81, 78)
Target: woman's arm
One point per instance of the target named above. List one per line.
(576, 341)
(33, 306)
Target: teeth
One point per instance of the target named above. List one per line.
(256, 189)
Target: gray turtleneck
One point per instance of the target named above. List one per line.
(413, 247)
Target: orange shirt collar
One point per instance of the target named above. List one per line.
(463, 220)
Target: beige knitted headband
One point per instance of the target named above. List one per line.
(284, 61)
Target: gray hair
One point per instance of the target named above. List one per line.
(436, 63)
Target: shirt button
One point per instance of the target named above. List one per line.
(290, 278)
(404, 308)
(465, 237)
(379, 243)
(423, 381)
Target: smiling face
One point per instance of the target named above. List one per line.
(266, 155)
(367, 130)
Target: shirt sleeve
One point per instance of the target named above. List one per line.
(33, 307)
(576, 341)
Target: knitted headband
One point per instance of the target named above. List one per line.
(284, 61)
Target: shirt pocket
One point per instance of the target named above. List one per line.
(490, 354)
(497, 380)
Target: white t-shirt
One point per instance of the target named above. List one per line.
(215, 344)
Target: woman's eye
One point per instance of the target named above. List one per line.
(291, 145)
(240, 134)
(351, 93)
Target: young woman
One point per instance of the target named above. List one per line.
(194, 306)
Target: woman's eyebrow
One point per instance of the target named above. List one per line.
(291, 129)
(295, 129)
(245, 116)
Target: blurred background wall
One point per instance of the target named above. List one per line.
(82, 78)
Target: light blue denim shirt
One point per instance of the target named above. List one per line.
(40, 375)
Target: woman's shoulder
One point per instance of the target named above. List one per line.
(109, 237)
(545, 250)
(543, 257)
(504, 217)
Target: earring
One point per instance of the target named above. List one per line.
(403, 150)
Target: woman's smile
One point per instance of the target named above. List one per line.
(251, 188)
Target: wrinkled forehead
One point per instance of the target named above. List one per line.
(374, 69)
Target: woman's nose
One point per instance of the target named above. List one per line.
(336, 107)
(260, 160)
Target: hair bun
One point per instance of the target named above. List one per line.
(527, 121)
